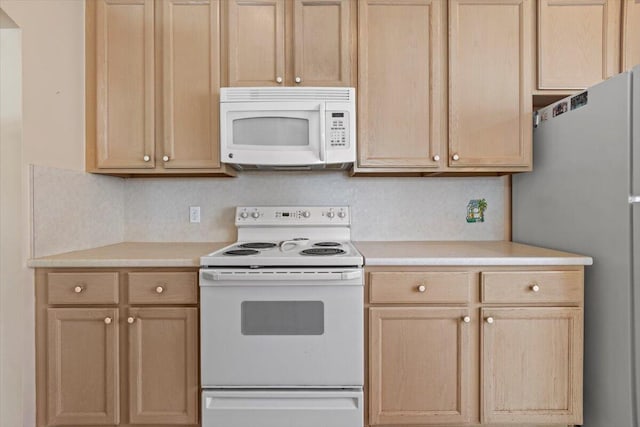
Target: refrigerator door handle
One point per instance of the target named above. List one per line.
(634, 199)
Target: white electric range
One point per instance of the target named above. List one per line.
(282, 338)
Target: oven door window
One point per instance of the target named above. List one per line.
(282, 317)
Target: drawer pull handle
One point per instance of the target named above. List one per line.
(489, 320)
(159, 289)
(422, 288)
(130, 320)
(107, 320)
(535, 288)
(78, 289)
(466, 319)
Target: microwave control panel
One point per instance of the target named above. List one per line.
(337, 123)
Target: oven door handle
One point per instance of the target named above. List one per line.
(280, 277)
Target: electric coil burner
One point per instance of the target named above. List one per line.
(322, 251)
(241, 252)
(326, 244)
(258, 245)
(281, 325)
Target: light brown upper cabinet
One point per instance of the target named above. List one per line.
(255, 33)
(578, 42)
(425, 109)
(190, 53)
(153, 79)
(124, 84)
(630, 34)
(490, 63)
(289, 42)
(401, 84)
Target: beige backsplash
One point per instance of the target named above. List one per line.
(75, 210)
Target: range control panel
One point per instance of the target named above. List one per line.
(337, 131)
(290, 215)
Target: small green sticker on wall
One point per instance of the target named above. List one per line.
(475, 210)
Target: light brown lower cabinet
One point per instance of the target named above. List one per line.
(82, 368)
(419, 365)
(117, 347)
(532, 365)
(502, 347)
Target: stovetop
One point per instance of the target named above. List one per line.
(295, 236)
(294, 252)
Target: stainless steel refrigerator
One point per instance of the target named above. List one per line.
(582, 197)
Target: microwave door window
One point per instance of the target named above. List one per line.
(266, 132)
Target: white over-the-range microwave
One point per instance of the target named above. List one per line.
(288, 127)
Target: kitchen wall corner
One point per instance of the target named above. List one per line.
(74, 210)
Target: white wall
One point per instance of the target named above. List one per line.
(52, 135)
(14, 277)
(53, 80)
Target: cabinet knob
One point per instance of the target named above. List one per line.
(422, 288)
(535, 288)
(130, 320)
(455, 157)
(298, 80)
(278, 79)
(165, 158)
(146, 158)
(78, 289)
(466, 319)
(107, 320)
(489, 320)
(159, 289)
(436, 158)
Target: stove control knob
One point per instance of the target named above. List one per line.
(306, 214)
(342, 214)
(331, 214)
(255, 215)
(244, 215)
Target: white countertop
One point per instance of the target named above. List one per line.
(426, 253)
(443, 253)
(132, 254)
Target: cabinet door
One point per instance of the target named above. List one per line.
(532, 365)
(82, 366)
(401, 87)
(191, 90)
(418, 365)
(578, 42)
(125, 84)
(322, 42)
(255, 40)
(163, 366)
(490, 83)
(630, 34)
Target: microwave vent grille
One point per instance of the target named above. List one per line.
(270, 94)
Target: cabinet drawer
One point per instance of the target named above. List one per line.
(532, 287)
(415, 287)
(163, 288)
(82, 288)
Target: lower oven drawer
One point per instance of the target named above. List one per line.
(274, 408)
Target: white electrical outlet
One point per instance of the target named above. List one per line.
(194, 214)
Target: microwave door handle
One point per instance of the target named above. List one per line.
(323, 142)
